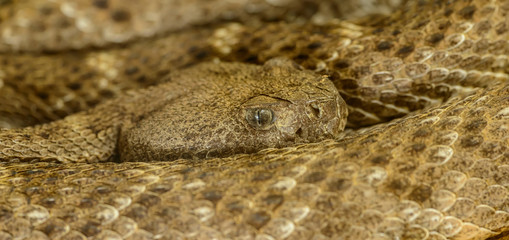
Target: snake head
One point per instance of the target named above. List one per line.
(299, 114)
(308, 109)
(238, 108)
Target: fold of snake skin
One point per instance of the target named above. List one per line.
(36, 26)
(55, 85)
(437, 173)
(441, 174)
(388, 67)
(349, 54)
(60, 25)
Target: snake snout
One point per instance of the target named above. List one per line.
(329, 114)
(315, 109)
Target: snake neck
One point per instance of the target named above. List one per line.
(89, 136)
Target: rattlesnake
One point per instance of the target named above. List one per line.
(435, 174)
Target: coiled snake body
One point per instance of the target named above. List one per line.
(437, 173)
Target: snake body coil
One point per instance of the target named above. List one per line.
(432, 76)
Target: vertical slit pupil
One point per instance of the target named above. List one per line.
(263, 117)
(260, 118)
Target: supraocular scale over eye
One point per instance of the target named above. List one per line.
(260, 118)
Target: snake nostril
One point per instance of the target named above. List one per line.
(315, 110)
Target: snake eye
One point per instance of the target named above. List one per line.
(260, 118)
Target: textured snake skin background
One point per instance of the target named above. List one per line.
(437, 173)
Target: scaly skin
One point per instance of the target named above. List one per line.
(210, 110)
(436, 174)
(55, 85)
(37, 26)
(445, 177)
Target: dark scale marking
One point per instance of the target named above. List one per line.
(201, 55)
(444, 25)
(258, 219)
(448, 12)
(388, 97)
(160, 188)
(242, 51)
(470, 141)
(53, 229)
(354, 101)
(212, 195)
(91, 229)
(5, 2)
(384, 45)
(421, 193)
(148, 200)
(422, 132)
(103, 4)
(338, 185)
(252, 59)
(435, 38)
(314, 45)
(421, 89)
(405, 51)
(287, 48)
(120, 15)
(46, 10)
(442, 91)
(42, 95)
(314, 177)
(103, 190)
(273, 201)
(348, 84)
(476, 125)
(235, 207)
(398, 186)
(44, 135)
(380, 160)
(141, 79)
(87, 203)
(341, 64)
(501, 28)
(106, 93)
(302, 57)
(131, 70)
(74, 86)
(467, 12)
(137, 212)
(420, 24)
(416, 148)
